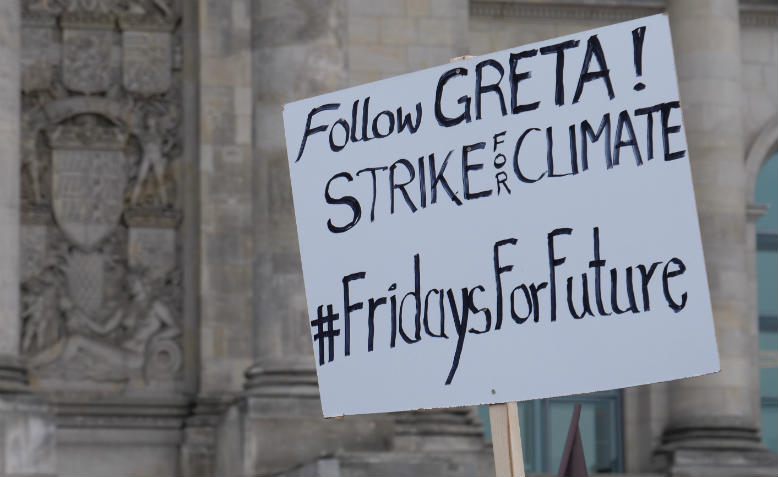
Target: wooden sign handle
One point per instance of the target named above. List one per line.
(504, 419)
(506, 440)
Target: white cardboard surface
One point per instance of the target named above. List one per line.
(643, 213)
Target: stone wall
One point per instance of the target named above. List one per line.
(759, 54)
(391, 37)
(9, 183)
(225, 200)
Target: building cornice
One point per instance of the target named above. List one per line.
(762, 13)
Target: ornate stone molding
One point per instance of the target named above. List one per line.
(73, 137)
(13, 375)
(733, 432)
(88, 20)
(755, 211)
(145, 23)
(758, 19)
(128, 414)
(759, 13)
(64, 108)
(567, 10)
(282, 381)
(38, 19)
(752, 13)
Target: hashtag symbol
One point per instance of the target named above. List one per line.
(329, 334)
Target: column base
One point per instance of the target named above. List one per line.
(716, 463)
(431, 430)
(197, 455)
(399, 463)
(712, 433)
(282, 380)
(277, 428)
(723, 446)
(291, 438)
(266, 435)
(280, 425)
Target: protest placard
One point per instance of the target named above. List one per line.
(512, 226)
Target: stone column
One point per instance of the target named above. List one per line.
(645, 416)
(298, 52)
(225, 191)
(12, 373)
(27, 442)
(217, 226)
(713, 420)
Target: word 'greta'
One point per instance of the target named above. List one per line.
(593, 67)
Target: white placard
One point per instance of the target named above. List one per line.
(497, 189)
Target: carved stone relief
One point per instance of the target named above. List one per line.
(100, 255)
(86, 57)
(38, 54)
(88, 178)
(146, 59)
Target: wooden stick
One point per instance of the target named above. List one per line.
(504, 419)
(506, 440)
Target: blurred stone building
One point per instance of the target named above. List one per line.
(151, 299)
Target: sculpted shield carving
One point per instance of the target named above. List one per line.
(85, 277)
(146, 61)
(86, 59)
(87, 184)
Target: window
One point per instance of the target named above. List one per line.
(544, 424)
(767, 295)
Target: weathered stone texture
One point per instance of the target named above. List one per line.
(10, 113)
(225, 194)
(397, 36)
(716, 411)
(286, 67)
(715, 149)
(27, 436)
(759, 53)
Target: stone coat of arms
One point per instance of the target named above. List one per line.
(146, 61)
(101, 289)
(89, 175)
(86, 59)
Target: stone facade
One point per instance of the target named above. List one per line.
(150, 288)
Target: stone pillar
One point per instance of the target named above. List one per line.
(645, 416)
(27, 443)
(12, 373)
(712, 420)
(754, 212)
(225, 192)
(218, 231)
(298, 52)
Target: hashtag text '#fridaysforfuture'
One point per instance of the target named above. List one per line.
(593, 292)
